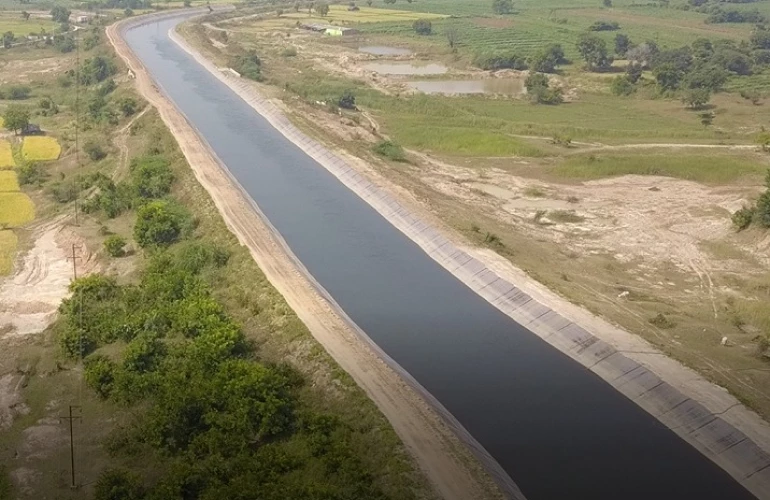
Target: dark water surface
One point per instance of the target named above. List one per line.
(556, 428)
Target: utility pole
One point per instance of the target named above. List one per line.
(74, 259)
(77, 112)
(72, 418)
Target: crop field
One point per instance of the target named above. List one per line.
(16, 209)
(40, 148)
(8, 181)
(8, 243)
(6, 154)
(340, 14)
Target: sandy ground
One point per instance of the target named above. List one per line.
(30, 297)
(443, 458)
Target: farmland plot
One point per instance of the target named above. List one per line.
(40, 148)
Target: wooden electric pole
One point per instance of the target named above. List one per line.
(71, 418)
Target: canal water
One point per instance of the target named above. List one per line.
(557, 429)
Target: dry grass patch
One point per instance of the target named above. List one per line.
(8, 181)
(8, 242)
(6, 153)
(16, 209)
(40, 148)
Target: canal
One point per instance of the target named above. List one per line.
(556, 428)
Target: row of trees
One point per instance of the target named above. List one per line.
(545, 60)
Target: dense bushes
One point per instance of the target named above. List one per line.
(422, 27)
(160, 223)
(499, 60)
(390, 150)
(546, 60)
(759, 214)
(248, 64)
(604, 26)
(719, 15)
(537, 86)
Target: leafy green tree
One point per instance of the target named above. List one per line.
(8, 39)
(546, 60)
(502, 7)
(151, 176)
(422, 27)
(633, 72)
(128, 106)
(622, 85)
(594, 51)
(60, 14)
(668, 77)
(118, 484)
(97, 69)
(706, 77)
(115, 245)
(64, 43)
(94, 150)
(159, 223)
(347, 100)
(696, 98)
(622, 44)
(16, 118)
(537, 85)
(100, 374)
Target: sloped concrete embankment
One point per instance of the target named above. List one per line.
(719, 427)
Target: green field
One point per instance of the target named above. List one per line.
(8, 243)
(341, 15)
(16, 209)
(19, 27)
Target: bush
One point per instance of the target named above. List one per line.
(15, 93)
(347, 100)
(621, 86)
(94, 151)
(492, 61)
(539, 91)
(30, 173)
(160, 223)
(127, 106)
(117, 484)
(99, 374)
(151, 176)
(390, 150)
(249, 65)
(662, 322)
(115, 246)
(422, 27)
(289, 52)
(604, 26)
(742, 218)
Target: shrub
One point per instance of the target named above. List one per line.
(289, 52)
(99, 374)
(604, 26)
(151, 176)
(117, 484)
(248, 64)
(539, 91)
(390, 150)
(742, 218)
(94, 151)
(30, 172)
(662, 322)
(115, 246)
(422, 27)
(347, 100)
(621, 85)
(492, 61)
(160, 223)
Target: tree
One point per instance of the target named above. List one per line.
(451, 36)
(502, 7)
(706, 118)
(537, 85)
(594, 51)
(696, 98)
(622, 44)
(322, 9)
(642, 54)
(117, 484)
(60, 14)
(546, 60)
(633, 72)
(127, 106)
(25, 15)
(391, 2)
(8, 39)
(622, 85)
(607, 3)
(422, 27)
(159, 223)
(16, 118)
(94, 151)
(115, 246)
(347, 100)
(296, 7)
(668, 77)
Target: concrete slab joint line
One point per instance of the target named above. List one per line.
(747, 462)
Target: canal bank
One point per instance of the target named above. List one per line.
(538, 413)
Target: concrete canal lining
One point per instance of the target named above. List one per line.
(710, 433)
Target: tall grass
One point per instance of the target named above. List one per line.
(708, 169)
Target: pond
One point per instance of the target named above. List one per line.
(384, 50)
(507, 86)
(407, 68)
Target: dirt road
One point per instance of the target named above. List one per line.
(446, 462)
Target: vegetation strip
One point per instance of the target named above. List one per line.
(606, 365)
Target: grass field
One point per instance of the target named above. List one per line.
(40, 148)
(19, 27)
(8, 243)
(16, 209)
(710, 168)
(340, 14)
(8, 181)
(6, 155)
